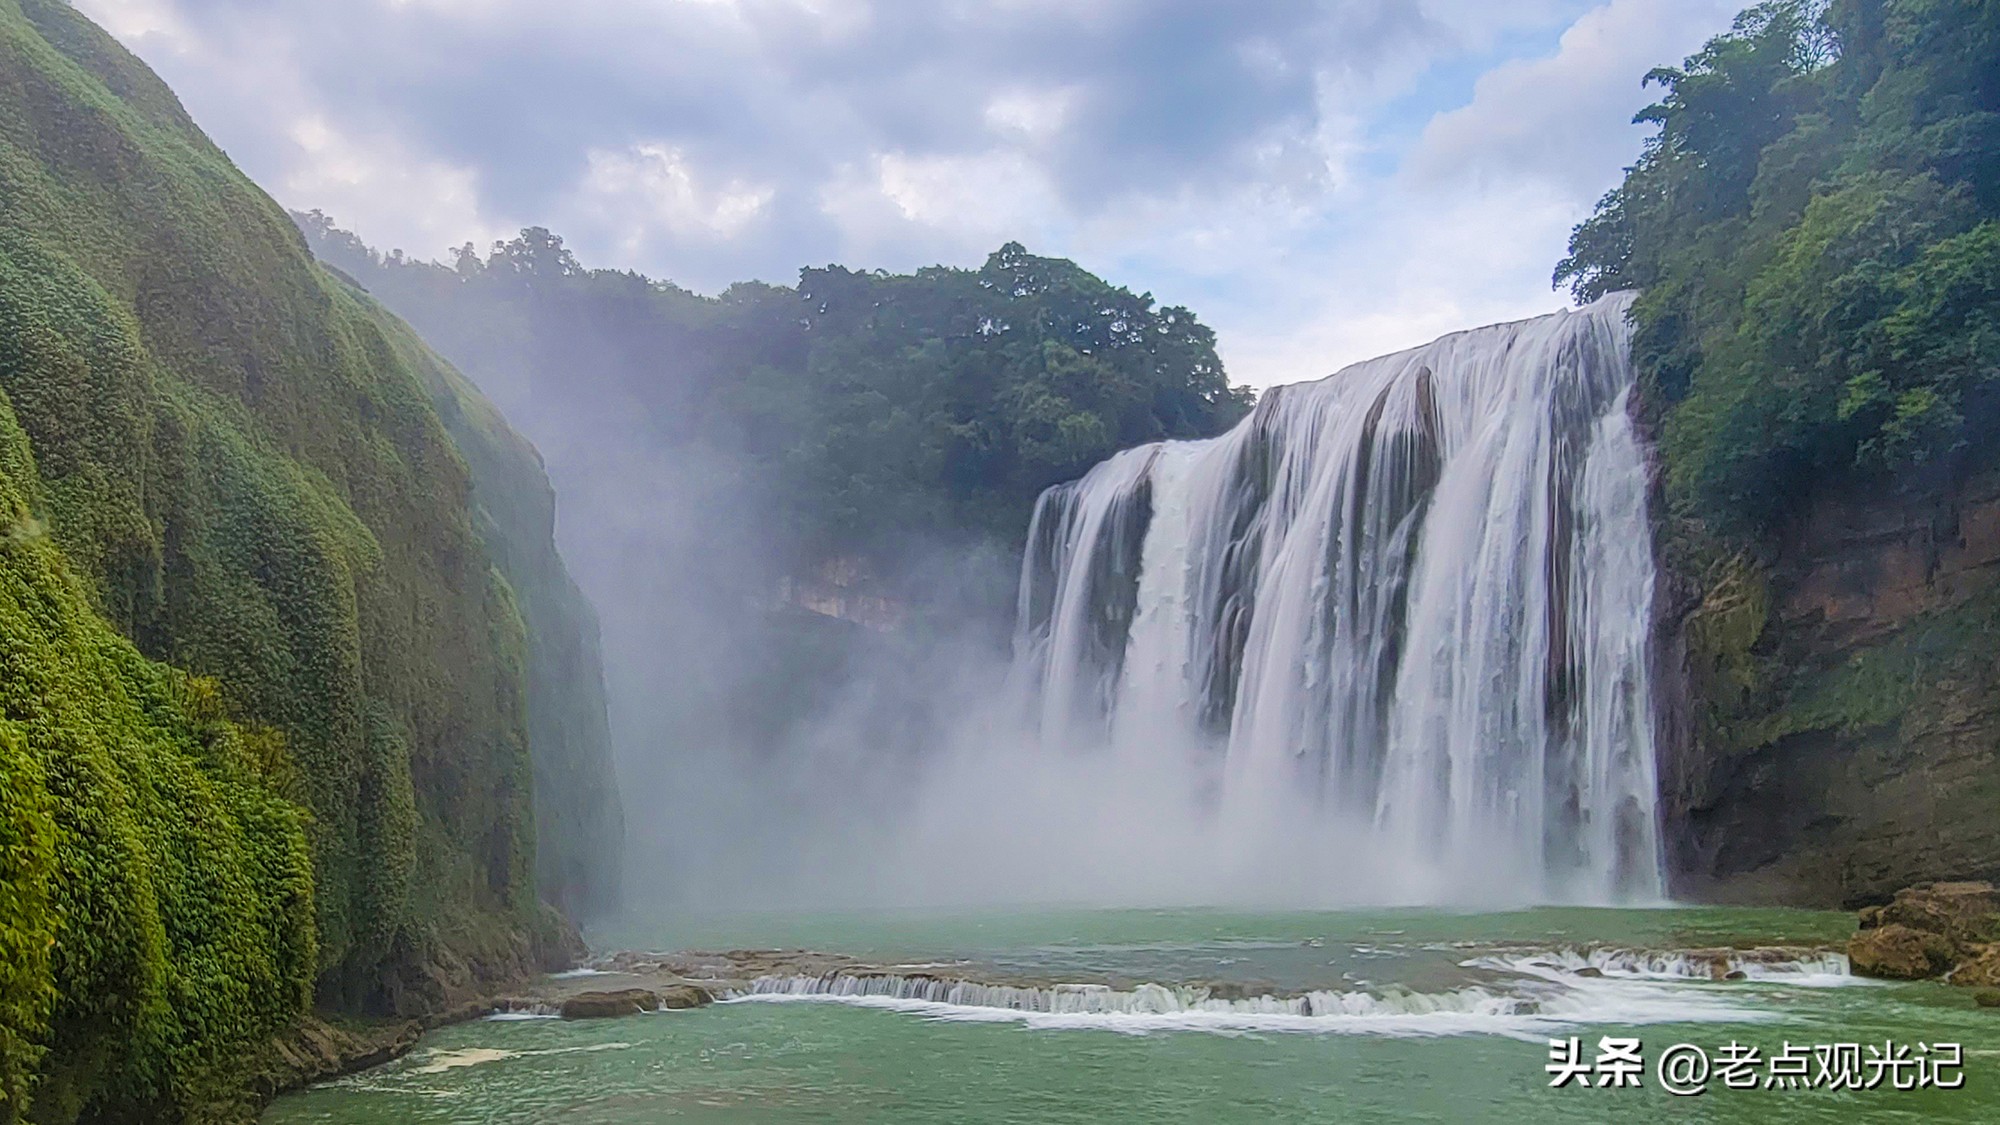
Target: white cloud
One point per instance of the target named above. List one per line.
(1030, 115)
(651, 189)
(960, 206)
(1564, 116)
(1306, 176)
(376, 184)
(156, 23)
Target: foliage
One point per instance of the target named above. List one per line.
(212, 447)
(156, 913)
(1814, 227)
(868, 409)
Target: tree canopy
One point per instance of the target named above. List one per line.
(1816, 230)
(867, 407)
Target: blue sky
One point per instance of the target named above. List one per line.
(1321, 182)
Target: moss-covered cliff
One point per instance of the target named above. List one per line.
(579, 822)
(255, 606)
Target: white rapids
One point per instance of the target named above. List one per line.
(1525, 995)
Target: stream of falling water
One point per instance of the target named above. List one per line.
(1410, 601)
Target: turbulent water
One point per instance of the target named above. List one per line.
(1401, 612)
(1104, 1017)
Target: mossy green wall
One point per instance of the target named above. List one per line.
(251, 612)
(156, 893)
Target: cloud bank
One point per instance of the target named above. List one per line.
(1319, 181)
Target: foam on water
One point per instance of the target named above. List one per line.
(1539, 992)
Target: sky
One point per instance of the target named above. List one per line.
(1321, 182)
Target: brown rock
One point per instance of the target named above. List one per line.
(1963, 913)
(1979, 967)
(685, 996)
(1896, 952)
(1987, 998)
(604, 1005)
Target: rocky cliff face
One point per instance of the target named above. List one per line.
(1832, 710)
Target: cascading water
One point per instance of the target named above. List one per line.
(1410, 600)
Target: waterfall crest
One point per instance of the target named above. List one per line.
(1410, 600)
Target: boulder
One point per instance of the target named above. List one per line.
(1979, 968)
(1895, 951)
(684, 996)
(604, 1005)
(1963, 913)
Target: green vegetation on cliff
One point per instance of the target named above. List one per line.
(266, 697)
(1815, 229)
(155, 890)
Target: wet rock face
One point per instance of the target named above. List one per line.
(1949, 930)
(1830, 700)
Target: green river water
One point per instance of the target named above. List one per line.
(1419, 1016)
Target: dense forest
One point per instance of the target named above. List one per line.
(1815, 231)
(280, 625)
(863, 410)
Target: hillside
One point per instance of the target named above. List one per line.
(259, 606)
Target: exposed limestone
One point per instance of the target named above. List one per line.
(318, 1048)
(1897, 952)
(1944, 930)
(680, 996)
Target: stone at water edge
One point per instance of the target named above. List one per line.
(1981, 969)
(1897, 952)
(632, 1001)
(1987, 998)
(684, 996)
(604, 1005)
(1964, 913)
(1930, 930)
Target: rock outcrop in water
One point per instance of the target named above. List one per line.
(1949, 930)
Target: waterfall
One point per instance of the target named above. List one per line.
(1411, 599)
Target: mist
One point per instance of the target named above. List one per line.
(800, 514)
(862, 654)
